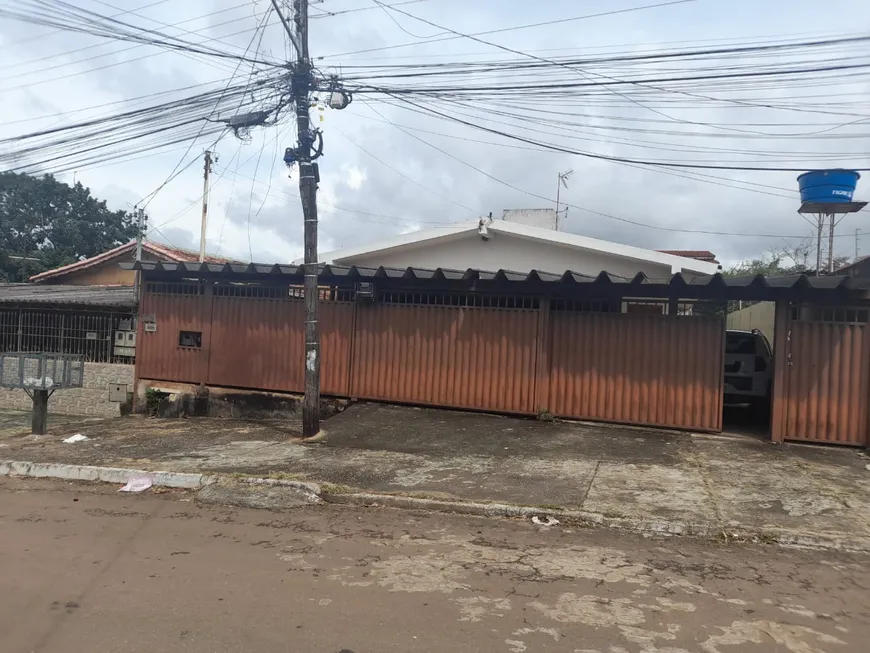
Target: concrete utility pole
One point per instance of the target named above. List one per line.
(206, 171)
(309, 146)
(140, 236)
(140, 232)
(303, 83)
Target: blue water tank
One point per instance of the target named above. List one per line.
(828, 186)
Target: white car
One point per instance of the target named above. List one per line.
(748, 368)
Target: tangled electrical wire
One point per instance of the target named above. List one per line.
(544, 102)
(263, 100)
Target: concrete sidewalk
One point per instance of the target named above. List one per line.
(658, 480)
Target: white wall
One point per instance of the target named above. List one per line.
(540, 218)
(504, 251)
(759, 316)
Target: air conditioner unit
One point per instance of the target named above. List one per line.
(365, 291)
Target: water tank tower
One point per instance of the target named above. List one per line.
(829, 196)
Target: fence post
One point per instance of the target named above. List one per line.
(542, 359)
(39, 419)
(351, 349)
(206, 317)
(779, 395)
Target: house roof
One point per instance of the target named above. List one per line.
(159, 250)
(698, 254)
(677, 263)
(350, 275)
(102, 296)
(852, 267)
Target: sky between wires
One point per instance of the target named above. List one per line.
(461, 109)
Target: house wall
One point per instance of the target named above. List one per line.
(758, 316)
(506, 252)
(106, 273)
(92, 399)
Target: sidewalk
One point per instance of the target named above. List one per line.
(633, 478)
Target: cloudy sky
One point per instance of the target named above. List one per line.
(387, 170)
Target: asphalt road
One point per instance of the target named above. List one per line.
(86, 569)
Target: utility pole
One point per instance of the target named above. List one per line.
(857, 231)
(140, 232)
(206, 171)
(833, 224)
(309, 146)
(302, 86)
(140, 236)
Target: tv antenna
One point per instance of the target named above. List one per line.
(563, 181)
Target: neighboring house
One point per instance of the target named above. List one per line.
(510, 245)
(699, 254)
(94, 322)
(857, 268)
(87, 308)
(103, 269)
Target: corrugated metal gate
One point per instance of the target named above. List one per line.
(257, 340)
(463, 357)
(641, 369)
(826, 382)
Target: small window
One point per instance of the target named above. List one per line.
(190, 338)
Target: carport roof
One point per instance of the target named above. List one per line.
(344, 274)
(82, 296)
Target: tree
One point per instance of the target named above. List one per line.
(45, 223)
(781, 262)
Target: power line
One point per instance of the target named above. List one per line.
(506, 29)
(260, 28)
(605, 157)
(583, 208)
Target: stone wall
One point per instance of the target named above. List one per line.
(91, 399)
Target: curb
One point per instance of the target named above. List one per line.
(187, 481)
(647, 527)
(314, 494)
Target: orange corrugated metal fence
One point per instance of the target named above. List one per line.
(641, 369)
(258, 342)
(336, 335)
(826, 383)
(176, 307)
(463, 357)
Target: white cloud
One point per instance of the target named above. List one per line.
(253, 200)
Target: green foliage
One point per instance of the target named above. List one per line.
(773, 263)
(152, 401)
(782, 262)
(45, 223)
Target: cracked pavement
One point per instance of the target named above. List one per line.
(657, 477)
(86, 568)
